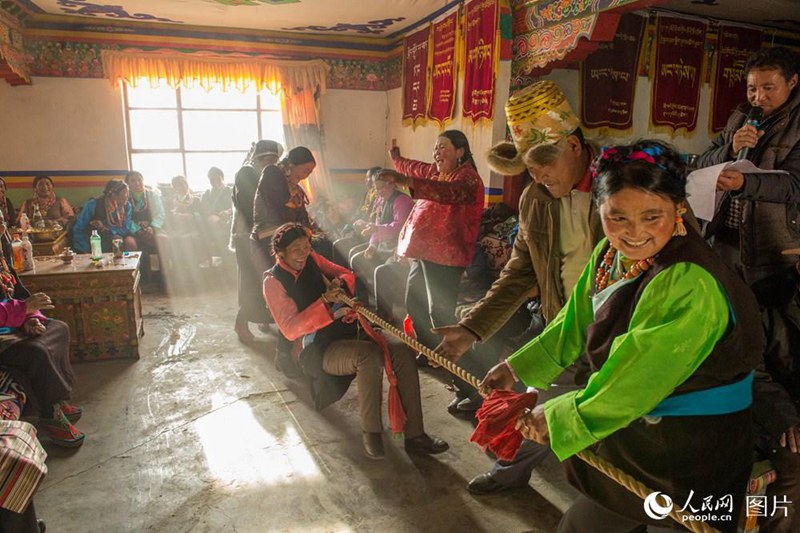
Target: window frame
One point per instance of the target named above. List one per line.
(179, 108)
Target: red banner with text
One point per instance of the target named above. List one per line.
(481, 57)
(734, 45)
(444, 70)
(608, 80)
(677, 74)
(415, 77)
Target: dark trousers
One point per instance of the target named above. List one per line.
(252, 307)
(431, 296)
(390, 288)
(41, 365)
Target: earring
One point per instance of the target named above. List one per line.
(680, 227)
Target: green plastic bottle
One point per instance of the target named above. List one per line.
(97, 246)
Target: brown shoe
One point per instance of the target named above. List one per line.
(373, 445)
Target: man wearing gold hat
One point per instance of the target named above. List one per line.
(558, 229)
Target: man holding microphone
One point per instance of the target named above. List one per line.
(761, 213)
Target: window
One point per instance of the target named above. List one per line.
(187, 131)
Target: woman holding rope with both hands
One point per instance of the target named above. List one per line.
(672, 337)
(302, 290)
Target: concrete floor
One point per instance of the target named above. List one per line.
(203, 434)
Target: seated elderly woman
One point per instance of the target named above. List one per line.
(52, 208)
(302, 291)
(217, 207)
(109, 214)
(147, 211)
(34, 352)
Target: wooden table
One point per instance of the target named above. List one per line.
(101, 305)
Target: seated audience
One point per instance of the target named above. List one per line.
(6, 206)
(148, 219)
(35, 352)
(216, 207)
(389, 214)
(185, 224)
(54, 209)
(352, 240)
(109, 214)
(302, 291)
(147, 210)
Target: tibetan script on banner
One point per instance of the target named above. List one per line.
(734, 45)
(677, 76)
(444, 70)
(608, 79)
(415, 77)
(480, 42)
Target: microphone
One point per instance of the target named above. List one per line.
(754, 119)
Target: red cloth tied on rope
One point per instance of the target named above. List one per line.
(397, 414)
(497, 419)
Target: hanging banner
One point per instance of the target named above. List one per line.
(734, 45)
(677, 74)
(444, 70)
(608, 80)
(481, 57)
(415, 77)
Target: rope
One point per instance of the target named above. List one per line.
(625, 480)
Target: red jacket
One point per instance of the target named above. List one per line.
(443, 225)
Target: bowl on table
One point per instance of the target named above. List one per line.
(67, 256)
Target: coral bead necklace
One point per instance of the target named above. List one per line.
(603, 277)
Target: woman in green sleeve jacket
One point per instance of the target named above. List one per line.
(672, 337)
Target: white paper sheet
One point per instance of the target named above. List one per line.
(701, 186)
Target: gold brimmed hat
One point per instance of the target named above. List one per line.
(537, 115)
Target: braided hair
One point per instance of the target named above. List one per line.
(113, 187)
(287, 234)
(648, 165)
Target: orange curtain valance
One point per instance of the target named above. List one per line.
(212, 70)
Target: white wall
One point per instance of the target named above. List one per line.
(417, 143)
(62, 124)
(697, 143)
(355, 128)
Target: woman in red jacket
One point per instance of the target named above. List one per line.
(441, 231)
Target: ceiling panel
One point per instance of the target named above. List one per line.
(374, 18)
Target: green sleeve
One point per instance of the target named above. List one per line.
(682, 314)
(539, 362)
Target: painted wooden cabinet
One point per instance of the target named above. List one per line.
(101, 304)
